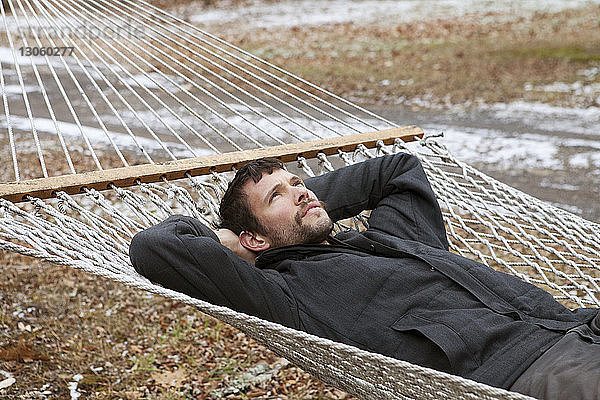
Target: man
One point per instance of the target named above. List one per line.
(394, 289)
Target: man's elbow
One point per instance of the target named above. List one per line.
(411, 161)
(141, 250)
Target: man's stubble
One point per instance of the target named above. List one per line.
(300, 232)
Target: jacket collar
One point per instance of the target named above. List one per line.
(269, 259)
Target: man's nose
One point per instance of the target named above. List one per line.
(301, 194)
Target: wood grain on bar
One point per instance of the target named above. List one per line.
(172, 170)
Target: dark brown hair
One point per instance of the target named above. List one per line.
(235, 211)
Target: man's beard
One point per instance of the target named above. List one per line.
(299, 232)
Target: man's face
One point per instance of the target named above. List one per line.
(288, 212)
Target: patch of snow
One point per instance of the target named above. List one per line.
(522, 108)
(17, 90)
(311, 12)
(9, 381)
(546, 117)
(44, 390)
(154, 80)
(570, 208)
(564, 186)
(490, 146)
(589, 73)
(577, 88)
(518, 151)
(73, 387)
(587, 160)
(96, 136)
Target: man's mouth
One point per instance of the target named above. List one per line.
(310, 206)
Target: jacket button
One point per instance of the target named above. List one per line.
(372, 247)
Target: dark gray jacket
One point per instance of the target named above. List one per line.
(394, 289)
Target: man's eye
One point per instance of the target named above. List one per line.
(275, 194)
(299, 183)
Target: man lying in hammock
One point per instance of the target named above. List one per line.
(394, 289)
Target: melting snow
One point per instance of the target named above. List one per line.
(490, 146)
(311, 12)
(541, 116)
(73, 387)
(96, 135)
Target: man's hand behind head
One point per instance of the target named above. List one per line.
(232, 242)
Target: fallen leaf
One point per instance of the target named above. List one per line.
(164, 323)
(21, 351)
(168, 379)
(135, 349)
(256, 394)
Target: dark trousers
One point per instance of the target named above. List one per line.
(568, 370)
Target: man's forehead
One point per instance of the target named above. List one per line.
(267, 182)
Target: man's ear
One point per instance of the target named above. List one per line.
(254, 241)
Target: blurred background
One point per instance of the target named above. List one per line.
(514, 86)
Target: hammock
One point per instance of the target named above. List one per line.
(117, 115)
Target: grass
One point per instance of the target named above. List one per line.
(56, 322)
(458, 60)
(548, 51)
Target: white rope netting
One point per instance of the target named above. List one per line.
(91, 232)
(145, 87)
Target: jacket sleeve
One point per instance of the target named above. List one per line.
(183, 254)
(397, 191)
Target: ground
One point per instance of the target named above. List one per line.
(64, 333)
(468, 59)
(58, 324)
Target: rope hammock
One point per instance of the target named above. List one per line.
(117, 115)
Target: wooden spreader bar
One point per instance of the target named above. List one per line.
(173, 170)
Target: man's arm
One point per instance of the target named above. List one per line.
(232, 242)
(183, 254)
(395, 187)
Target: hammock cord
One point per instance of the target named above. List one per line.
(60, 12)
(49, 106)
(25, 96)
(80, 89)
(93, 243)
(265, 100)
(184, 24)
(231, 84)
(11, 138)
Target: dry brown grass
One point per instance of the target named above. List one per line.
(56, 322)
(453, 60)
(489, 58)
